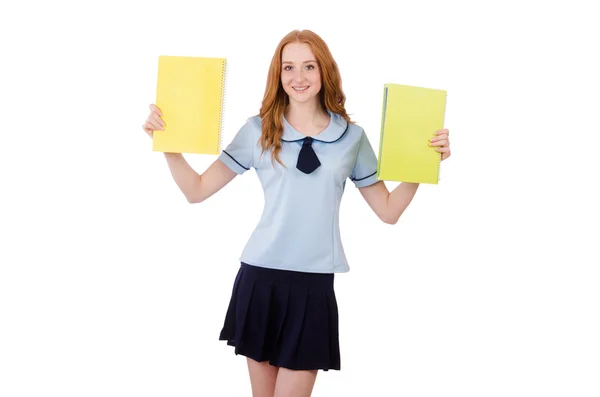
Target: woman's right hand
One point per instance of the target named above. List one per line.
(154, 121)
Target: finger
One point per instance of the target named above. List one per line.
(442, 142)
(151, 124)
(155, 108)
(157, 125)
(442, 131)
(154, 117)
(442, 149)
(438, 137)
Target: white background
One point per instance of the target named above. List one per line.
(111, 284)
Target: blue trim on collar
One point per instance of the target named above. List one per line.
(333, 132)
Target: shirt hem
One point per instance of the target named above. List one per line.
(336, 269)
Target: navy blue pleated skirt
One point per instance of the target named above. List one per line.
(287, 318)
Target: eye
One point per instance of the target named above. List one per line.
(287, 68)
(310, 67)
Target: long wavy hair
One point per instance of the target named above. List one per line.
(275, 99)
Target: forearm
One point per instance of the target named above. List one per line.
(184, 175)
(399, 199)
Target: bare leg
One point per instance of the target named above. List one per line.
(295, 383)
(262, 378)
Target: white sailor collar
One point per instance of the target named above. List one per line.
(335, 130)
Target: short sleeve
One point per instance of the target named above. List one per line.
(365, 168)
(239, 154)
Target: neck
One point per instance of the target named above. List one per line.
(306, 113)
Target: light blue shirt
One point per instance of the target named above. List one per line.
(299, 228)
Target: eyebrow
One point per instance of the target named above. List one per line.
(302, 62)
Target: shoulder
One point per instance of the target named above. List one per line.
(356, 133)
(253, 123)
(356, 129)
(251, 129)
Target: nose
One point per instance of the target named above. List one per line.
(298, 76)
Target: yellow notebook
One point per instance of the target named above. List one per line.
(411, 115)
(189, 92)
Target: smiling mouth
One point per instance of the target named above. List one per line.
(300, 89)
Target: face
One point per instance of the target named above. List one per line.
(300, 76)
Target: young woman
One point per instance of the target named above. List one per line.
(303, 146)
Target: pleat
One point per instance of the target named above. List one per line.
(328, 331)
(333, 330)
(314, 342)
(256, 326)
(241, 315)
(284, 296)
(293, 323)
(270, 316)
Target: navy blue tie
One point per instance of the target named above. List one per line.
(307, 159)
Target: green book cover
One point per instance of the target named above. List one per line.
(411, 115)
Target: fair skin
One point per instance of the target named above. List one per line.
(301, 80)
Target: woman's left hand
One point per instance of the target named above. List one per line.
(441, 143)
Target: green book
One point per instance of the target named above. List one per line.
(411, 115)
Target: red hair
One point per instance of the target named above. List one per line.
(275, 99)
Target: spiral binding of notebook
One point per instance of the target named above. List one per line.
(223, 104)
